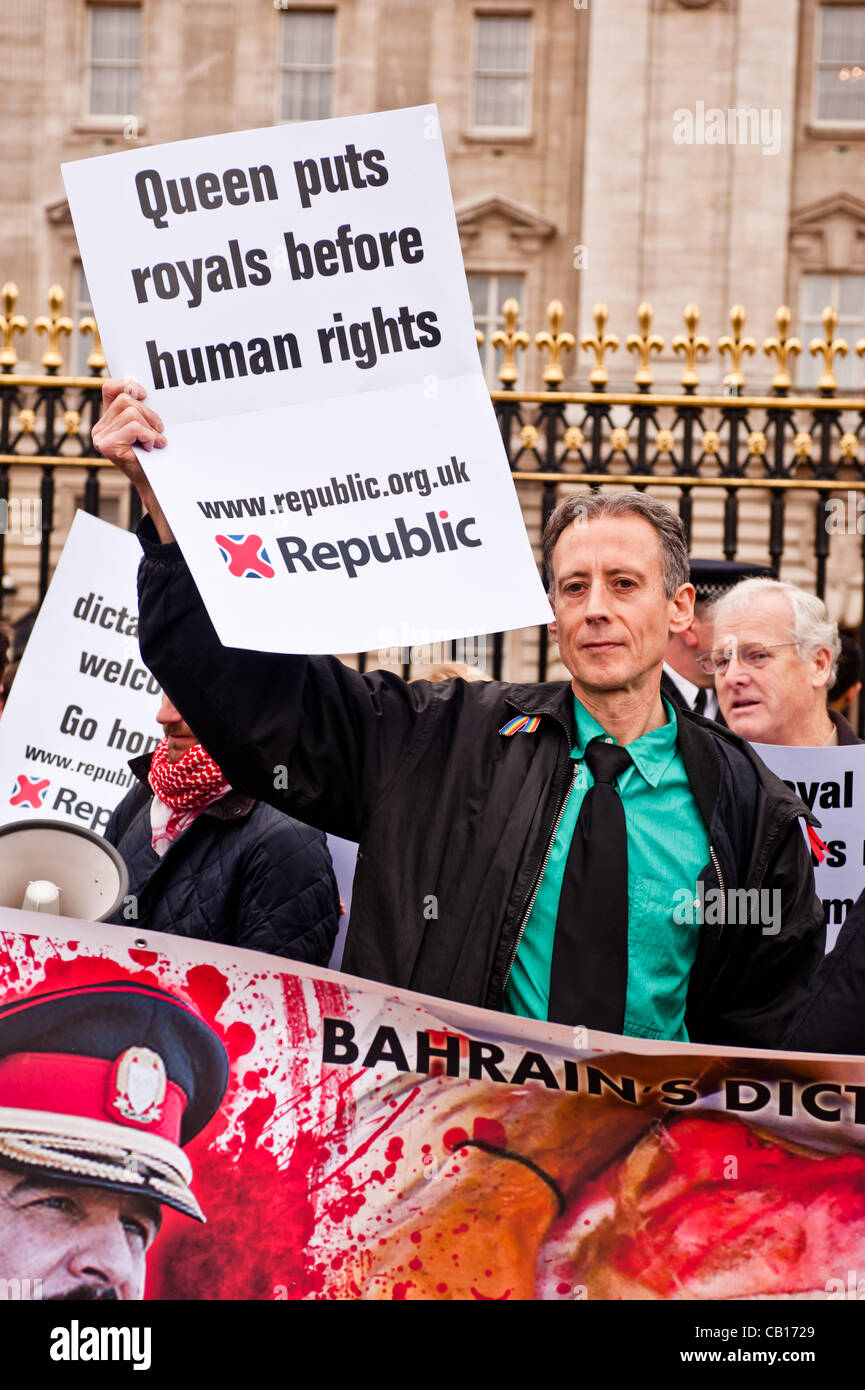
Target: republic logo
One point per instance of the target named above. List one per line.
(29, 792)
(245, 556)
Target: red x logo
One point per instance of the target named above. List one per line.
(27, 793)
(246, 557)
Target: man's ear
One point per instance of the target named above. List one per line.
(551, 626)
(822, 659)
(682, 615)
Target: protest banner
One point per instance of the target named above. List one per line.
(82, 703)
(294, 302)
(369, 1144)
(831, 782)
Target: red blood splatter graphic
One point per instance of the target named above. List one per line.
(209, 989)
(489, 1132)
(239, 1039)
(144, 957)
(452, 1137)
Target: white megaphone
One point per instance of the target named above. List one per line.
(47, 866)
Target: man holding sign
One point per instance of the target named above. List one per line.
(520, 846)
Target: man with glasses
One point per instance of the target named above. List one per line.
(774, 658)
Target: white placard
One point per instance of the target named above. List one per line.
(82, 702)
(831, 781)
(294, 302)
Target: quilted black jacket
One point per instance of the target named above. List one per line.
(453, 820)
(242, 874)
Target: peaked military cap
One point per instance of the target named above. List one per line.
(103, 1084)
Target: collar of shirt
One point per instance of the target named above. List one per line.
(688, 688)
(651, 754)
(689, 691)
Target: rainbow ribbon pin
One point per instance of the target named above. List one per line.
(523, 724)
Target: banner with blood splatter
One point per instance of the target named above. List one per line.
(375, 1145)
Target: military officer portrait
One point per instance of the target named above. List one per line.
(101, 1087)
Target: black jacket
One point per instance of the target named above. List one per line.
(846, 733)
(454, 819)
(241, 874)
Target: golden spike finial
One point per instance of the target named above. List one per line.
(737, 346)
(600, 343)
(691, 346)
(555, 343)
(829, 348)
(510, 340)
(782, 348)
(96, 357)
(10, 324)
(53, 326)
(644, 343)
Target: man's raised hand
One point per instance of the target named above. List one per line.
(126, 421)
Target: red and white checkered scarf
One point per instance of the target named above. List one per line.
(182, 791)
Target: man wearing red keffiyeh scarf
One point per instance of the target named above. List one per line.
(205, 861)
(184, 778)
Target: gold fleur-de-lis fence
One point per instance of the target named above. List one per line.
(10, 324)
(600, 343)
(54, 325)
(674, 411)
(690, 345)
(555, 342)
(644, 344)
(737, 346)
(783, 348)
(828, 348)
(510, 341)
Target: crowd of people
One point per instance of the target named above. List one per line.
(507, 806)
(521, 847)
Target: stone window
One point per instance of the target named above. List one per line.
(114, 59)
(840, 77)
(307, 65)
(502, 72)
(846, 293)
(488, 294)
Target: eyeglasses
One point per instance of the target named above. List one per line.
(754, 654)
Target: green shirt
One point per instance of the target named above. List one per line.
(668, 847)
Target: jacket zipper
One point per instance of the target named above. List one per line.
(714, 858)
(539, 879)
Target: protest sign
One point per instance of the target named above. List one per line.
(372, 1144)
(294, 302)
(831, 782)
(82, 703)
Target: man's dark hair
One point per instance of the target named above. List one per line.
(850, 666)
(582, 507)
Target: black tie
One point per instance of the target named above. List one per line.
(700, 702)
(589, 975)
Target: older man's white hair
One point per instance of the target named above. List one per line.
(811, 625)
